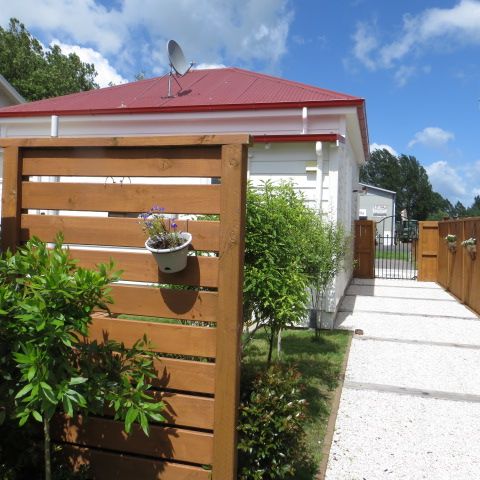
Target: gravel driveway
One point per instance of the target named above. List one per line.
(410, 405)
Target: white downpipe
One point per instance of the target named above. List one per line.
(54, 134)
(319, 153)
(54, 126)
(304, 120)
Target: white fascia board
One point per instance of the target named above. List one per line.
(10, 91)
(254, 122)
(356, 140)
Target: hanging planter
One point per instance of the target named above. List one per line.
(471, 246)
(168, 246)
(171, 260)
(451, 242)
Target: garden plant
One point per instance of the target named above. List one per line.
(46, 366)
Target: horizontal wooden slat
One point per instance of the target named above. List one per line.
(108, 466)
(120, 232)
(188, 411)
(141, 267)
(129, 162)
(164, 442)
(121, 198)
(156, 302)
(165, 338)
(185, 375)
(148, 141)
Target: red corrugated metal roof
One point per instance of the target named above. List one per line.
(221, 89)
(216, 89)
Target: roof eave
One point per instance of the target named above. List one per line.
(359, 103)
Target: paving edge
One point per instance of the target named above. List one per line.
(332, 419)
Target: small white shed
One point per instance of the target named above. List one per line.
(315, 137)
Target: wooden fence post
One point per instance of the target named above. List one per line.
(229, 329)
(11, 198)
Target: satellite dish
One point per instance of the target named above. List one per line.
(177, 58)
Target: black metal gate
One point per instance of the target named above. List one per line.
(396, 248)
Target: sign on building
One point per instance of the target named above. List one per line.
(380, 210)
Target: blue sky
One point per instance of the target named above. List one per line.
(415, 62)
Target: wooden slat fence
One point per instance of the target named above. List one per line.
(459, 271)
(91, 207)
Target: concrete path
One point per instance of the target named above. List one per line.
(410, 405)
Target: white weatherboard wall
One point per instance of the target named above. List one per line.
(295, 162)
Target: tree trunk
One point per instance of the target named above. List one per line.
(46, 443)
(279, 344)
(270, 347)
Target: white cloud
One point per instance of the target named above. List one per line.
(132, 34)
(434, 28)
(365, 44)
(106, 73)
(403, 74)
(376, 146)
(208, 66)
(81, 22)
(448, 182)
(432, 137)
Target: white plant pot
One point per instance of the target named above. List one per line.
(452, 246)
(172, 260)
(471, 248)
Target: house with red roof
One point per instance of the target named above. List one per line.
(317, 138)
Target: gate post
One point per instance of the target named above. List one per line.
(364, 249)
(427, 254)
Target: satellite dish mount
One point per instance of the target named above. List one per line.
(178, 64)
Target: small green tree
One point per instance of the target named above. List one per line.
(275, 287)
(45, 307)
(325, 260)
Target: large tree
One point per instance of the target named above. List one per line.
(474, 210)
(404, 175)
(38, 73)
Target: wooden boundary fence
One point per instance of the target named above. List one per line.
(459, 271)
(201, 393)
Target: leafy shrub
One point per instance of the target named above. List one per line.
(45, 364)
(271, 434)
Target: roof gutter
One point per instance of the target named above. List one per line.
(318, 137)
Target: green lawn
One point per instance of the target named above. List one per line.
(391, 254)
(320, 364)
